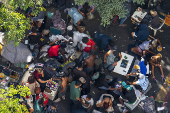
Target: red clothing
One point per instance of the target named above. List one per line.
(89, 44)
(42, 95)
(36, 75)
(53, 50)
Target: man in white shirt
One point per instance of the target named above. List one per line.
(142, 81)
(87, 102)
(77, 37)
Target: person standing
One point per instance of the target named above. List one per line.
(75, 93)
(87, 102)
(62, 89)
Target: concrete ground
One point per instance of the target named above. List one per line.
(120, 37)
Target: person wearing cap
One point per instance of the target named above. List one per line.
(142, 81)
(127, 95)
(143, 48)
(102, 81)
(86, 45)
(85, 85)
(111, 58)
(75, 93)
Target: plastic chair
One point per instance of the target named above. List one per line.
(159, 28)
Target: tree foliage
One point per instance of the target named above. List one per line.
(9, 104)
(15, 23)
(108, 8)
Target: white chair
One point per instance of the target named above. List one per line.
(159, 28)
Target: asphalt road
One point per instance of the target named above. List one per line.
(120, 37)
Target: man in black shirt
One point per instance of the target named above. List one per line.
(127, 95)
(102, 82)
(78, 72)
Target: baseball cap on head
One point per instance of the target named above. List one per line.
(82, 79)
(128, 87)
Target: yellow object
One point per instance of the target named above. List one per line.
(1, 75)
(1, 47)
(167, 20)
(136, 67)
(27, 65)
(159, 48)
(159, 55)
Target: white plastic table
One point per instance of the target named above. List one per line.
(120, 70)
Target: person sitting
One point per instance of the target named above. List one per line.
(54, 51)
(87, 102)
(39, 76)
(87, 44)
(154, 23)
(24, 103)
(111, 58)
(34, 38)
(89, 63)
(127, 94)
(52, 108)
(32, 84)
(143, 48)
(142, 81)
(85, 9)
(76, 16)
(105, 101)
(77, 37)
(103, 41)
(141, 32)
(156, 61)
(102, 81)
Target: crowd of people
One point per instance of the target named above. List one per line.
(89, 69)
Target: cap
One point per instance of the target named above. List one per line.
(128, 87)
(95, 76)
(141, 76)
(82, 79)
(108, 77)
(136, 67)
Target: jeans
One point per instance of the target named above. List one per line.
(109, 67)
(122, 20)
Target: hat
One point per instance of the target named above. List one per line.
(82, 79)
(136, 67)
(154, 13)
(108, 77)
(141, 76)
(154, 42)
(126, 86)
(95, 76)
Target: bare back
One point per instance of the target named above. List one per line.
(90, 61)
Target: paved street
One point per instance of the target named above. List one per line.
(120, 37)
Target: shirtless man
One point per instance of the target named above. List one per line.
(89, 62)
(62, 89)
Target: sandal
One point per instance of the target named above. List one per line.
(154, 79)
(163, 78)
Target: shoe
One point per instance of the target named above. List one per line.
(163, 79)
(58, 100)
(154, 79)
(63, 97)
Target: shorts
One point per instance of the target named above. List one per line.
(139, 49)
